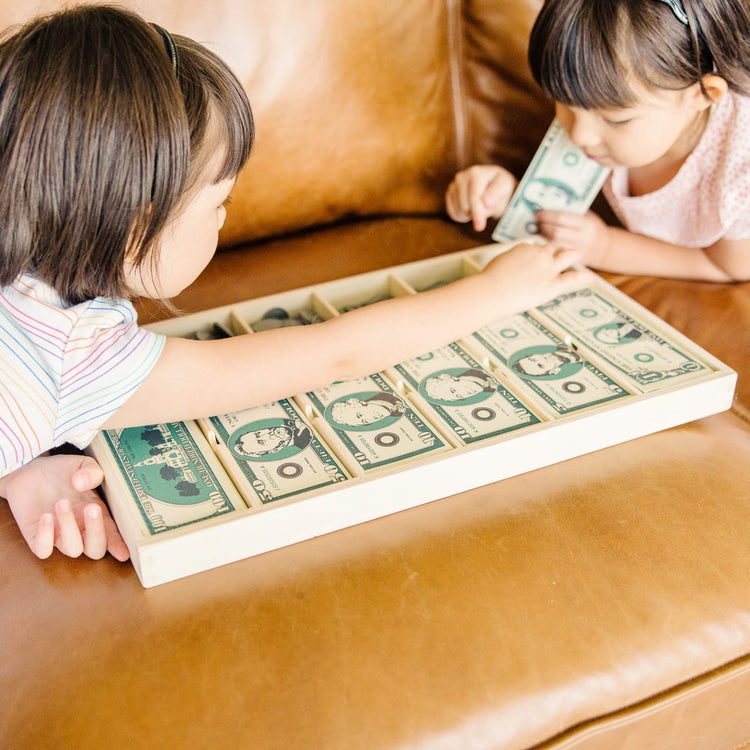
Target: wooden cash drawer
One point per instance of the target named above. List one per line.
(555, 382)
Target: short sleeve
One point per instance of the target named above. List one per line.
(106, 358)
(65, 369)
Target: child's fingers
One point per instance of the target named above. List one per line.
(477, 207)
(94, 534)
(88, 476)
(115, 544)
(480, 197)
(498, 193)
(573, 277)
(44, 542)
(566, 258)
(554, 223)
(492, 190)
(69, 540)
(467, 197)
(560, 227)
(478, 218)
(559, 219)
(118, 549)
(451, 205)
(457, 201)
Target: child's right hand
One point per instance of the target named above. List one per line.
(55, 504)
(529, 274)
(479, 193)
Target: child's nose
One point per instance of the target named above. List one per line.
(580, 126)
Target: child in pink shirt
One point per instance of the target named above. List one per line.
(656, 90)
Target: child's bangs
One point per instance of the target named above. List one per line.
(234, 132)
(218, 113)
(573, 61)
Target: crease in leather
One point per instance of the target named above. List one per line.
(457, 83)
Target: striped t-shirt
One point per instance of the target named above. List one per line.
(65, 369)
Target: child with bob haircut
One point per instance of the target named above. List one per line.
(119, 146)
(656, 90)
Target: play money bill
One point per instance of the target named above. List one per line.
(275, 450)
(468, 399)
(555, 372)
(560, 177)
(648, 360)
(373, 424)
(169, 472)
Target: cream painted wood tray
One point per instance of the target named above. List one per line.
(581, 373)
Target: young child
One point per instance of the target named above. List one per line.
(120, 145)
(657, 90)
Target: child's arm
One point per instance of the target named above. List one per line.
(200, 378)
(620, 251)
(479, 193)
(54, 502)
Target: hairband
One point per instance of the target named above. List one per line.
(170, 46)
(678, 10)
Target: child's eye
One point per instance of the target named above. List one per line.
(226, 202)
(617, 123)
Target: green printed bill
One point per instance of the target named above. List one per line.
(275, 451)
(560, 177)
(645, 358)
(558, 374)
(467, 399)
(374, 426)
(169, 473)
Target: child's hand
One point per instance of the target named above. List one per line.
(54, 502)
(528, 275)
(479, 193)
(588, 234)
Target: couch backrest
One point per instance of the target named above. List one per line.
(362, 107)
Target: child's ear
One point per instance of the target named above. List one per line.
(713, 88)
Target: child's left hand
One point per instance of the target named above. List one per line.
(588, 234)
(54, 502)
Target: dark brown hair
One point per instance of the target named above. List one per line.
(100, 142)
(589, 53)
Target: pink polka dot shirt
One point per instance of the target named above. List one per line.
(709, 198)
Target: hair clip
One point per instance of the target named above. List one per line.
(170, 46)
(678, 10)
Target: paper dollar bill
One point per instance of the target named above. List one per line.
(557, 373)
(275, 451)
(373, 424)
(560, 177)
(468, 399)
(169, 473)
(644, 357)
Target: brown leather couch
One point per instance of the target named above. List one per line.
(603, 602)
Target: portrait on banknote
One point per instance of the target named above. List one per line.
(270, 438)
(368, 410)
(457, 385)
